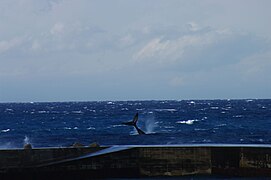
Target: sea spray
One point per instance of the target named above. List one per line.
(26, 140)
(150, 125)
(134, 132)
(27, 144)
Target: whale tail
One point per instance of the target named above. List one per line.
(134, 123)
(135, 119)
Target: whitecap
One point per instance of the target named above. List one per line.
(189, 122)
(220, 125)
(75, 127)
(166, 130)
(170, 110)
(192, 102)
(199, 129)
(238, 116)
(10, 110)
(226, 108)
(169, 127)
(67, 128)
(215, 107)
(118, 125)
(77, 112)
(5, 130)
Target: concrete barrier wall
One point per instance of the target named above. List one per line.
(23, 158)
(140, 161)
(174, 161)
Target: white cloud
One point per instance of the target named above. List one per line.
(193, 26)
(58, 28)
(152, 48)
(6, 45)
(36, 45)
(127, 40)
(171, 49)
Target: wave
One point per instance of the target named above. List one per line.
(5, 130)
(170, 110)
(189, 122)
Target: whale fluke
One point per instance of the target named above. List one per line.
(134, 123)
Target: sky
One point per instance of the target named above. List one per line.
(96, 50)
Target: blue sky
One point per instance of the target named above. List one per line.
(85, 50)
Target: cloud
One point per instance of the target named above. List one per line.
(58, 28)
(6, 45)
(167, 49)
(162, 48)
(193, 26)
(163, 45)
(200, 50)
(127, 40)
(36, 45)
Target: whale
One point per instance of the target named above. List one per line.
(134, 124)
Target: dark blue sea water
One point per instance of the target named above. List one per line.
(165, 122)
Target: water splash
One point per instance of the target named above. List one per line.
(26, 140)
(134, 132)
(150, 125)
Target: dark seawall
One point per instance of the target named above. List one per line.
(137, 161)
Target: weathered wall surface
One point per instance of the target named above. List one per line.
(174, 161)
(139, 161)
(20, 158)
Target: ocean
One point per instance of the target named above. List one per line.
(61, 124)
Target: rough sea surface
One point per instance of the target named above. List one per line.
(61, 124)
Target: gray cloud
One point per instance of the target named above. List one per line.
(125, 49)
